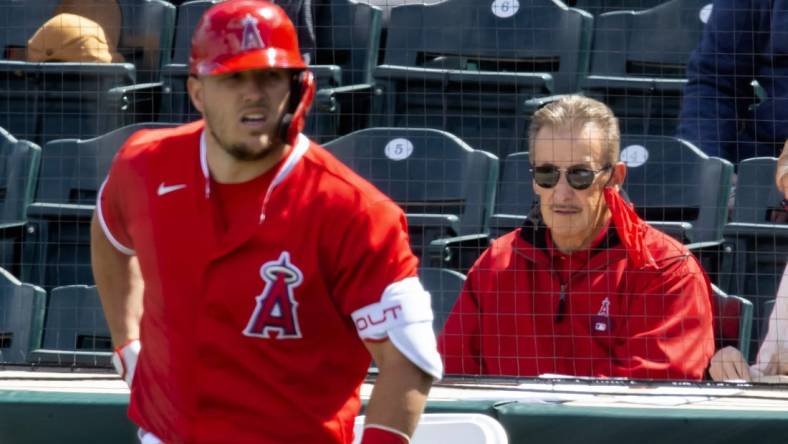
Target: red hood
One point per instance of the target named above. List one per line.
(631, 229)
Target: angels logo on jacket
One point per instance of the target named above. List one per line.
(251, 38)
(601, 322)
(276, 313)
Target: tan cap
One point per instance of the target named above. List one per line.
(69, 38)
(104, 12)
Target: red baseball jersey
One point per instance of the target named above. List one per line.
(246, 333)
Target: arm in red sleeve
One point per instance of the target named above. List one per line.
(668, 332)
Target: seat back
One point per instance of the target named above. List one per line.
(538, 36)
(639, 60)
(385, 7)
(670, 182)
(146, 36)
(75, 324)
(444, 285)
(444, 186)
(47, 101)
(515, 195)
(732, 320)
(758, 241)
(468, 67)
(19, 20)
(348, 35)
(57, 238)
(757, 199)
(21, 318)
(455, 428)
(19, 162)
(175, 103)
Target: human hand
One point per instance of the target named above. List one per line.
(729, 364)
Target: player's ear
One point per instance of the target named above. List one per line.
(196, 92)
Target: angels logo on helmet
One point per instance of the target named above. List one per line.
(251, 36)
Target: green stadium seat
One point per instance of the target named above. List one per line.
(467, 67)
(444, 286)
(445, 187)
(676, 187)
(638, 63)
(515, 195)
(56, 248)
(19, 163)
(732, 320)
(21, 318)
(75, 331)
(46, 101)
(146, 36)
(758, 240)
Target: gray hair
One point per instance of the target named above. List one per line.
(574, 110)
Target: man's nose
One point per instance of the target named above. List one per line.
(253, 88)
(563, 192)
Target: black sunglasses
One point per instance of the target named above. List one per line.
(579, 177)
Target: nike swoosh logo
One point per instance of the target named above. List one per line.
(164, 189)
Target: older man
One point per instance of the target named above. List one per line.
(584, 287)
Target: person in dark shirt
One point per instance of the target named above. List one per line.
(743, 41)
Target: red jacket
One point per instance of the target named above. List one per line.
(638, 307)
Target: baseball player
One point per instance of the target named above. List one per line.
(266, 270)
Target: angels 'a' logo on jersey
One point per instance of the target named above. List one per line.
(251, 38)
(276, 313)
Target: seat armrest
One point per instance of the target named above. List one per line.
(714, 256)
(140, 102)
(530, 106)
(459, 252)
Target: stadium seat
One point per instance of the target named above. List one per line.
(57, 236)
(386, 6)
(758, 239)
(346, 36)
(19, 162)
(638, 63)
(146, 36)
(676, 187)
(46, 101)
(454, 428)
(75, 331)
(21, 318)
(444, 286)
(515, 194)
(465, 67)
(732, 320)
(445, 187)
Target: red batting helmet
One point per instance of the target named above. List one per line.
(239, 35)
